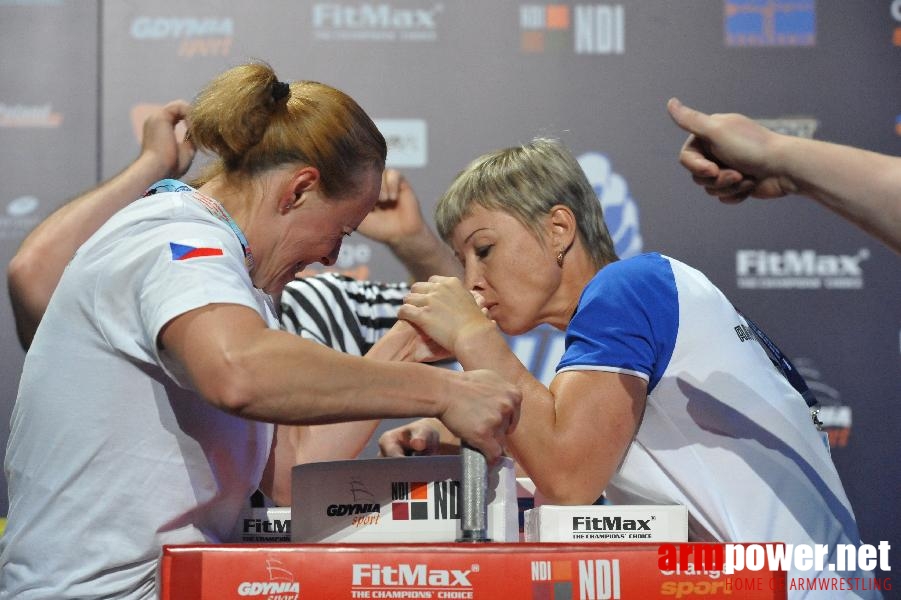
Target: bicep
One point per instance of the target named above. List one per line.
(600, 413)
(207, 343)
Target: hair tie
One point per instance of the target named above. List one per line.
(280, 90)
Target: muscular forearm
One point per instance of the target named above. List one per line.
(336, 441)
(571, 436)
(535, 438)
(299, 444)
(283, 379)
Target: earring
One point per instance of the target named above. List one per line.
(560, 258)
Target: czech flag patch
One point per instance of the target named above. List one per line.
(186, 251)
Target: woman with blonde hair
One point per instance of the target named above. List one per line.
(663, 394)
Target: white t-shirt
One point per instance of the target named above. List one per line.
(111, 454)
(723, 431)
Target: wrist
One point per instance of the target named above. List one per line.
(475, 337)
(414, 243)
(392, 345)
(150, 166)
(785, 151)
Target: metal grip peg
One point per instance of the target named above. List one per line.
(474, 492)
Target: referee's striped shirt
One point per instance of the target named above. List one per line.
(340, 312)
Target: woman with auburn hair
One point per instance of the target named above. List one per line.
(147, 401)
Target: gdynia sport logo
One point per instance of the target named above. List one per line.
(809, 566)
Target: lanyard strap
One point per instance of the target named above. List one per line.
(217, 210)
(782, 363)
(212, 205)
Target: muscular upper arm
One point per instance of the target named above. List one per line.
(597, 416)
(208, 343)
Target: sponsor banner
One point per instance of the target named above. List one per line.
(587, 29)
(415, 499)
(475, 571)
(29, 116)
(20, 216)
(190, 37)
(620, 523)
(271, 524)
(804, 269)
(773, 23)
(348, 22)
(407, 141)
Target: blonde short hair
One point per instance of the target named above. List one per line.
(527, 181)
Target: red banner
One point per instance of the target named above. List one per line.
(474, 571)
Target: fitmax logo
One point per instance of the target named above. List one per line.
(610, 524)
(408, 575)
(369, 16)
(799, 269)
(264, 526)
(332, 21)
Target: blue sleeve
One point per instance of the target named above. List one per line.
(627, 320)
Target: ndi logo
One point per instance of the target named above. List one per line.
(552, 579)
(593, 28)
(770, 22)
(410, 500)
(599, 579)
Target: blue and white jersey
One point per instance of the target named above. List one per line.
(723, 432)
